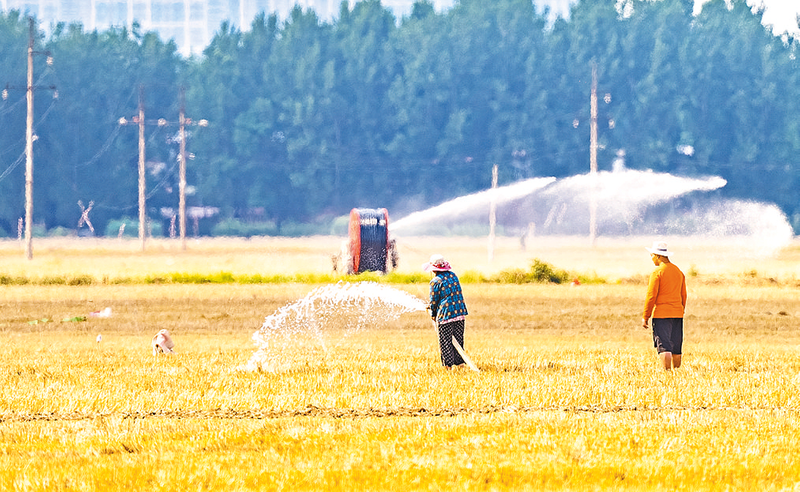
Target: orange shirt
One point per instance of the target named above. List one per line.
(666, 293)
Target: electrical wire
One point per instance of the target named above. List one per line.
(103, 149)
(12, 166)
(22, 156)
(170, 173)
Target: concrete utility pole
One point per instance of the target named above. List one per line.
(142, 183)
(492, 212)
(183, 122)
(593, 160)
(29, 151)
(139, 121)
(182, 172)
(29, 135)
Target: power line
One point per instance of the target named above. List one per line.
(19, 159)
(41, 119)
(103, 149)
(12, 166)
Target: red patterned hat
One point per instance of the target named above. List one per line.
(437, 263)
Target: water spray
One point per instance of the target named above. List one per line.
(467, 205)
(343, 306)
(629, 203)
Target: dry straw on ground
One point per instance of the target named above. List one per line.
(570, 395)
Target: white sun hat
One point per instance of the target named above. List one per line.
(659, 248)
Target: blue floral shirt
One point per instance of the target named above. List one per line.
(447, 301)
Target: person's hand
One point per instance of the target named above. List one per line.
(644, 323)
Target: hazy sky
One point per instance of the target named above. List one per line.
(780, 13)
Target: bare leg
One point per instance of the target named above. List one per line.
(676, 360)
(666, 360)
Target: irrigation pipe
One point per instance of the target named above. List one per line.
(459, 349)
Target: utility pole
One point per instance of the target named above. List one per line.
(593, 160)
(29, 150)
(183, 122)
(139, 121)
(492, 212)
(182, 173)
(142, 184)
(29, 135)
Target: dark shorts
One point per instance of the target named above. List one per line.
(668, 335)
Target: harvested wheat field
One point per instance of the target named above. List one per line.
(570, 394)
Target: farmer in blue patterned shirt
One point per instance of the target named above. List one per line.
(448, 310)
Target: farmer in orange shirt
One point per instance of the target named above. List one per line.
(666, 303)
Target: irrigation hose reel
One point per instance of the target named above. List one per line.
(368, 247)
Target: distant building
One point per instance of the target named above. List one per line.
(192, 23)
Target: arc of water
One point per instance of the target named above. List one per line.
(357, 305)
(480, 200)
(629, 202)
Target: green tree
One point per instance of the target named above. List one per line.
(232, 79)
(741, 91)
(651, 103)
(361, 126)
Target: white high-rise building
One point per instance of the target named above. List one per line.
(191, 23)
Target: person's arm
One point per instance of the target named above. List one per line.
(434, 297)
(650, 300)
(683, 293)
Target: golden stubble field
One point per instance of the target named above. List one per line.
(570, 395)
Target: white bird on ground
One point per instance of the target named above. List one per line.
(99, 338)
(162, 343)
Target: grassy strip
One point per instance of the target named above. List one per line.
(539, 272)
(49, 280)
(515, 276)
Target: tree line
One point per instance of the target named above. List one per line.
(310, 118)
